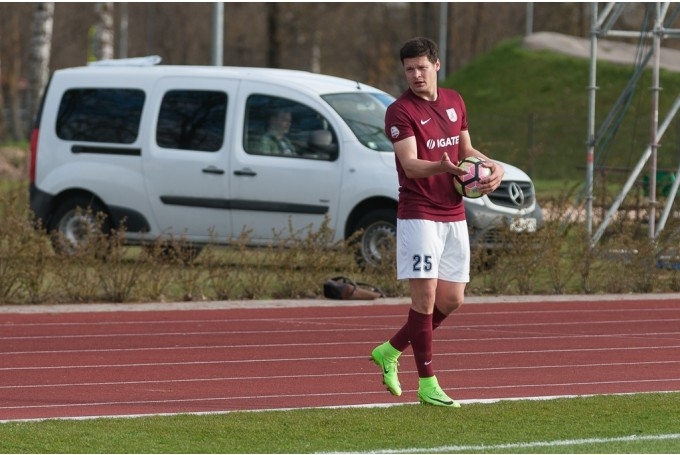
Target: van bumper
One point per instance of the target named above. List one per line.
(39, 203)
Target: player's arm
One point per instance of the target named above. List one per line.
(414, 167)
(466, 149)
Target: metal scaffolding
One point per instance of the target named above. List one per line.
(602, 26)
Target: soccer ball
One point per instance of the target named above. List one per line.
(468, 184)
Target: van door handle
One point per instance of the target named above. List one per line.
(213, 170)
(247, 172)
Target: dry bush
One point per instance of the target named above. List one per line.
(557, 259)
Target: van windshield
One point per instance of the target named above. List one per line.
(364, 113)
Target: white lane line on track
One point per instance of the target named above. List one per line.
(331, 330)
(355, 374)
(332, 358)
(643, 336)
(517, 326)
(400, 314)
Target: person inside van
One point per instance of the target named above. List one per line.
(274, 141)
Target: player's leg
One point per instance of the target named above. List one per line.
(387, 354)
(454, 273)
(418, 249)
(423, 294)
(400, 340)
(450, 294)
(454, 269)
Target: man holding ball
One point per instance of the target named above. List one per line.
(429, 129)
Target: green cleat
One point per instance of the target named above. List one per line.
(385, 356)
(429, 392)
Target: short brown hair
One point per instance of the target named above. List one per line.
(419, 47)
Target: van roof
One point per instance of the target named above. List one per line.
(319, 83)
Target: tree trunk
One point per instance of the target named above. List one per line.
(13, 78)
(273, 42)
(3, 123)
(103, 44)
(477, 31)
(40, 47)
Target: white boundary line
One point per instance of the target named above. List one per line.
(527, 445)
(356, 406)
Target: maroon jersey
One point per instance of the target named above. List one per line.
(436, 126)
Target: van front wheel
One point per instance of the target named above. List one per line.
(76, 223)
(378, 235)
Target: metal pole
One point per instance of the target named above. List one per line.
(674, 187)
(590, 152)
(217, 33)
(655, 119)
(634, 175)
(123, 42)
(443, 38)
(529, 19)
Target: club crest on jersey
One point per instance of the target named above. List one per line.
(394, 131)
(452, 114)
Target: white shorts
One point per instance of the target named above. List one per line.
(432, 249)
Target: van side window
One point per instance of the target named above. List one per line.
(285, 128)
(192, 120)
(100, 115)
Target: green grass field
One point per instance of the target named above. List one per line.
(640, 423)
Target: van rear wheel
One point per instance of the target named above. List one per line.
(377, 241)
(77, 223)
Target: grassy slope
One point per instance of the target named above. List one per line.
(508, 86)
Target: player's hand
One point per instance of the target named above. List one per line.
(449, 167)
(493, 181)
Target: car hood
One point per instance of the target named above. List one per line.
(514, 173)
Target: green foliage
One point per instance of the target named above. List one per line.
(592, 424)
(530, 109)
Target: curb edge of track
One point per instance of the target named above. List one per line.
(253, 304)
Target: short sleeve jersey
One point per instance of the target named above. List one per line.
(436, 126)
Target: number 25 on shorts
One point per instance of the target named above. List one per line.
(422, 262)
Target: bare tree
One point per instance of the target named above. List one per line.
(3, 123)
(273, 38)
(40, 47)
(103, 36)
(14, 79)
(338, 38)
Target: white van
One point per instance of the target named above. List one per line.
(185, 151)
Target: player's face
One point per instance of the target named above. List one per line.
(421, 75)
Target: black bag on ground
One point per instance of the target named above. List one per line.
(343, 288)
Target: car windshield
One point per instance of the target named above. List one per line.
(364, 113)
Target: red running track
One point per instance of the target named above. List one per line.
(122, 363)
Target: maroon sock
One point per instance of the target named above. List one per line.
(437, 318)
(401, 340)
(420, 333)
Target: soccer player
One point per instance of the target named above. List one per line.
(428, 126)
